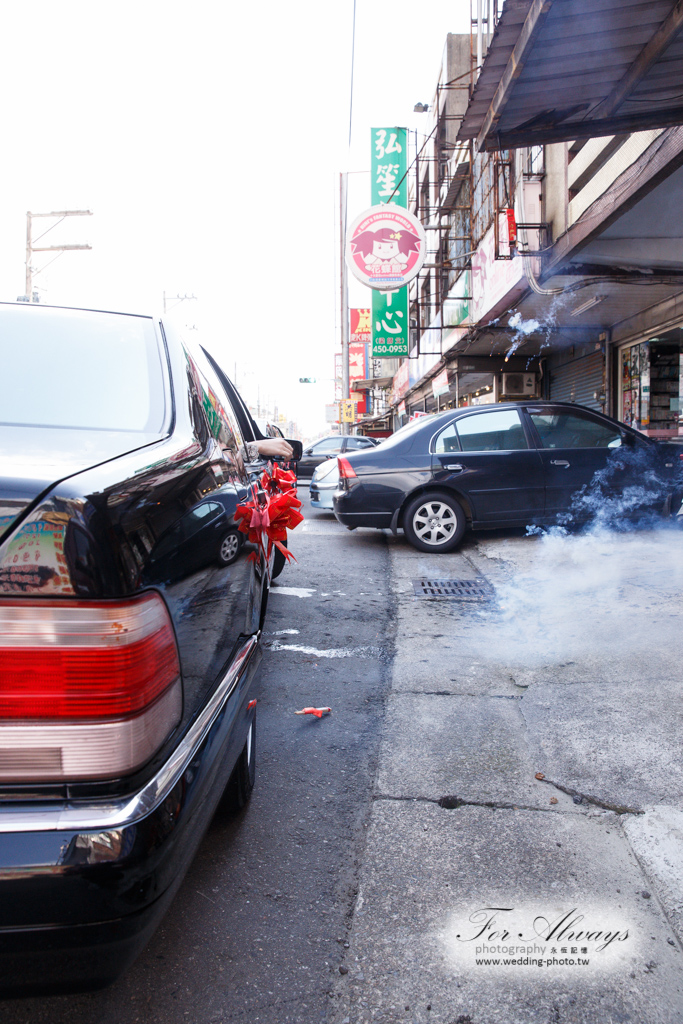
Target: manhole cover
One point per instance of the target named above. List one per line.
(477, 589)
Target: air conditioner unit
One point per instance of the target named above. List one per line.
(519, 385)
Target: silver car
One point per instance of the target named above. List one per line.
(324, 483)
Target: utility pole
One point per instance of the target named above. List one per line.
(343, 188)
(176, 299)
(31, 247)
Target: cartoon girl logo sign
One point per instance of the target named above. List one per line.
(386, 247)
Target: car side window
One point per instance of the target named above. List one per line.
(328, 444)
(499, 430)
(357, 442)
(215, 403)
(447, 440)
(574, 430)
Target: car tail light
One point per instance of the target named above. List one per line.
(346, 470)
(88, 690)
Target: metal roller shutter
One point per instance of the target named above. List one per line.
(579, 380)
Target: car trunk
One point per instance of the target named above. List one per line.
(33, 460)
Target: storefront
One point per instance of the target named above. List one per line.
(651, 384)
(577, 374)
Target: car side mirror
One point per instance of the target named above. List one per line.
(298, 449)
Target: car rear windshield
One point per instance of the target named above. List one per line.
(80, 369)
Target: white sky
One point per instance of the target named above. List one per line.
(207, 139)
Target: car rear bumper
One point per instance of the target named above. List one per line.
(83, 885)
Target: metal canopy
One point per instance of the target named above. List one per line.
(559, 70)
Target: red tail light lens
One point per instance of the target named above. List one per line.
(346, 470)
(87, 689)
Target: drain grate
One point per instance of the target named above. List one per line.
(477, 589)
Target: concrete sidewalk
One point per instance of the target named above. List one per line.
(528, 805)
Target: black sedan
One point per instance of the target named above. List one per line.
(329, 448)
(129, 634)
(501, 466)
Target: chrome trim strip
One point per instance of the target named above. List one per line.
(114, 814)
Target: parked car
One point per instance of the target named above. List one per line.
(129, 634)
(494, 466)
(324, 483)
(329, 447)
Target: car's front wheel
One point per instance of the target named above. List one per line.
(434, 522)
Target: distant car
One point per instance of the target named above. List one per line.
(328, 447)
(495, 466)
(129, 633)
(324, 483)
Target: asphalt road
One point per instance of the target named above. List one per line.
(257, 930)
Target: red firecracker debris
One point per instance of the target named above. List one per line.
(318, 712)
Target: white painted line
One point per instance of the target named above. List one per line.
(294, 591)
(339, 652)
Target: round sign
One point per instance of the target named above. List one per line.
(386, 247)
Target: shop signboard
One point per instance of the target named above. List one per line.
(358, 371)
(401, 410)
(357, 363)
(401, 382)
(390, 324)
(386, 247)
(347, 410)
(361, 330)
(389, 165)
(332, 413)
(440, 385)
(492, 279)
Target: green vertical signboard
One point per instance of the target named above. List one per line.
(389, 184)
(389, 166)
(389, 323)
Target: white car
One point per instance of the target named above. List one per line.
(324, 483)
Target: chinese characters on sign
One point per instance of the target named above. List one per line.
(389, 166)
(389, 184)
(390, 324)
(346, 408)
(361, 329)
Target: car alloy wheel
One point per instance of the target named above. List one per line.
(230, 547)
(434, 522)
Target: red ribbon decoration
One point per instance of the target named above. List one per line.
(272, 511)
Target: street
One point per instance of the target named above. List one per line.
(499, 779)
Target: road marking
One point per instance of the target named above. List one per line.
(294, 591)
(339, 652)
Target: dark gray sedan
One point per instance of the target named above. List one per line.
(504, 465)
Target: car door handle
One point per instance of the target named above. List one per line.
(455, 467)
(559, 462)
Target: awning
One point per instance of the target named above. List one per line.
(558, 70)
(370, 383)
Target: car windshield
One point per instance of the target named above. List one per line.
(80, 369)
